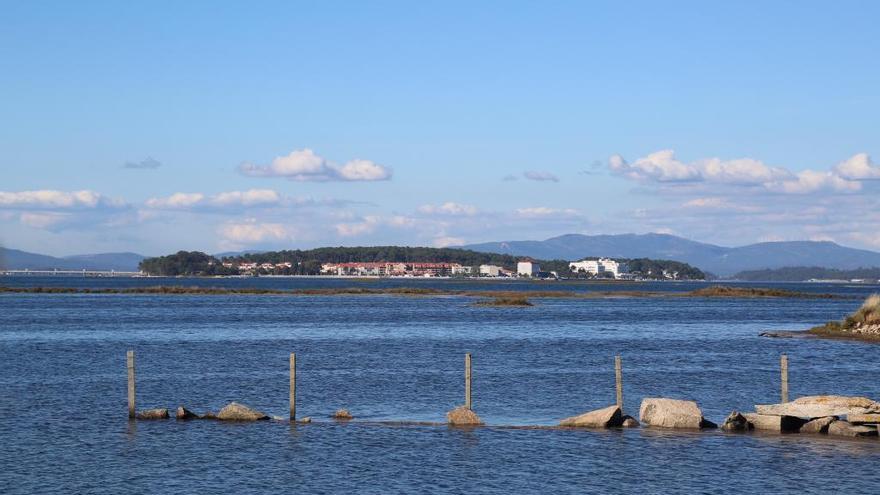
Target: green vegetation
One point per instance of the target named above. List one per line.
(505, 301)
(727, 291)
(185, 263)
(803, 273)
(308, 262)
(864, 323)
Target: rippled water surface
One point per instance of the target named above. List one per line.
(64, 429)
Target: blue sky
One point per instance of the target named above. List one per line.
(224, 126)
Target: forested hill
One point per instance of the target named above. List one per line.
(308, 262)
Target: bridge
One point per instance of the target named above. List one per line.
(78, 273)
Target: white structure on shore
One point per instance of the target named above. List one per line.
(602, 266)
(527, 268)
(490, 270)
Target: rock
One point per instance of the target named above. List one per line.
(847, 429)
(630, 422)
(184, 413)
(818, 425)
(770, 422)
(863, 418)
(342, 415)
(305, 420)
(779, 335)
(463, 416)
(819, 406)
(209, 415)
(671, 413)
(240, 412)
(608, 417)
(736, 422)
(705, 424)
(153, 414)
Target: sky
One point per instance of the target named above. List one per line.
(223, 126)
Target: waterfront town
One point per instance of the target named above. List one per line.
(525, 268)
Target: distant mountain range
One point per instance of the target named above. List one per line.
(14, 259)
(722, 261)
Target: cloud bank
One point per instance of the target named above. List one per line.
(304, 165)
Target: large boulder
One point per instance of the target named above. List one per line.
(153, 414)
(672, 413)
(818, 406)
(818, 425)
(240, 412)
(779, 424)
(463, 416)
(847, 429)
(736, 422)
(608, 417)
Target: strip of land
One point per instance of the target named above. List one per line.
(713, 292)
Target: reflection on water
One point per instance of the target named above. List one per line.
(63, 407)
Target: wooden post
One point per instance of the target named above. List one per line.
(293, 386)
(783, 368)
(618, 380)
(129, 358)
(467, 380)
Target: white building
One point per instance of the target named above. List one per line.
(602, 266)
(490, 270)
(527, 268)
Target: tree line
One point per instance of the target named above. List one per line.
(308, 262)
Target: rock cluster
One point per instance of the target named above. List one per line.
(819, 414)
(342, 415)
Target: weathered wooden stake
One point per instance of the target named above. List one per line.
(783, 367)
(129, 358)
(618, 380)
(467, 380)
(293, 386)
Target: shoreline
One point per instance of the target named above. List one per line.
(706, 292)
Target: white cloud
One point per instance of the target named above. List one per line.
(253, 232)
(663, 167)
(52, 199)
(858, 167)
(540, 176)
(367, 226)
(449, 208)
(810, 181)
(247, 198)
(544, 211)
(176, 201)
(306, 165)
(43, 220)
(447, 241)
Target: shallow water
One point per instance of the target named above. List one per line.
(64, 428)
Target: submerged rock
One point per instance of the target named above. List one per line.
(209, 415)
(630, 422)
(736, 422)
(818, 406)
(818, 425)
(463, 416)
(847, 429)
(184, 413)
(607, 417)
(153, 414)
(342, 415)
(240, 412)
(672, 413)
(770, 422)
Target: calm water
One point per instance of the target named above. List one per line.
(64, 429)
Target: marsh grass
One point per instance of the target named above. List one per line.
(516, 301)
